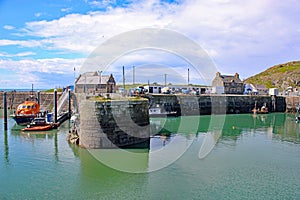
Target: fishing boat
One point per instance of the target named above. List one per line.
(26, 112)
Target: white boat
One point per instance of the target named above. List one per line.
(159, 112)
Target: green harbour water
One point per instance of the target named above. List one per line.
(255, 157)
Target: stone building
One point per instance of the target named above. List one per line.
(255, 89)
(93, 82)
(231, 84)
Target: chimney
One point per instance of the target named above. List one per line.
(236, 75)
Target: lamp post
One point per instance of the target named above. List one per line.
(188, 76)
(100, 73)
(123, 80)
(165, 80)
(133, 75)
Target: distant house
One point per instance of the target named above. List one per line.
(228, 84)
(255, 89)
(92, 82)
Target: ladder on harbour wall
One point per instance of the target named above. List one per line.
(62, 101)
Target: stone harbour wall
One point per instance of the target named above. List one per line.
(215, 104)
(114, 124)
(16, 98)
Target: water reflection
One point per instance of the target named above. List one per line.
(171, 137)
(278, 125)
(6, 149)
(36, 138)
(100, 181)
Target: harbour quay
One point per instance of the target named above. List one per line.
(185, 105)
(106, 123)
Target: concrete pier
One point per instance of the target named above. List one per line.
(114, 124)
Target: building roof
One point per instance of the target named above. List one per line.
(227, 78)
(92, 78)
(230, 78)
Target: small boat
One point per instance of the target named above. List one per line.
(40, 124)
(298, 118)
(38, 128)
(263, 110)
(159, 112)
(26, 112)
(260, 111)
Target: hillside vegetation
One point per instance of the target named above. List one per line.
(279, 76)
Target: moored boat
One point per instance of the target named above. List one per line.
(262, 110)
(159, 112)
(26, 112)
(40, 124)
(38, 128)
(257, 111)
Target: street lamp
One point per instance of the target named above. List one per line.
(100, 73)
(133, 75)
(188, 76)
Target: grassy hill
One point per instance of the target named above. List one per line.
(280, 76)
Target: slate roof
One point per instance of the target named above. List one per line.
(92, 78)
(228, 78)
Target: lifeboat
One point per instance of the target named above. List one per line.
(26, 112)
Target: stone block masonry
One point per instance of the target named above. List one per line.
(114, 124)
(16, 98)
(216, 104)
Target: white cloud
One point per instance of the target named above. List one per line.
(21, 54)
(66, 9)
(23, 43)
(102, 3)
(8, 27)
(83, 33)
(43, 73)
(38, 14)
(231, 31)
(219, 24)
(54, 65)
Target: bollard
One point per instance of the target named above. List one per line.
(5, 110)
(55, 106)
(69, 105)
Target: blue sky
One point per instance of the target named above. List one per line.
(42, 41)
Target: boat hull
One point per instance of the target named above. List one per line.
(23, 120)
(161, 115)
(38, 128)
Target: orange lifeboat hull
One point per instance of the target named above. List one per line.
(38, 128)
